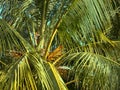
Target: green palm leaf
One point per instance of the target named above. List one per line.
(81, 27)
(93, 71)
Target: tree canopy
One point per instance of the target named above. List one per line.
(59, 44)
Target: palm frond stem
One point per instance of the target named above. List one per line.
(55, 30)
(3, 63)
(43, 25)
(72, 81)
(50, 42)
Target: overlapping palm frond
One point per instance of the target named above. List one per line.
(89, 23)
(93, 71)
(86, 27)
(27, 71)
(36, 36)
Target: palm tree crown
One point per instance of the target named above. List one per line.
(59, 44)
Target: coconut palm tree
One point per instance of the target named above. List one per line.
(59, 45)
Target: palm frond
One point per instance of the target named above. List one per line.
(30, 73)
(93, 71)
(31, 31)
(85, 23)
